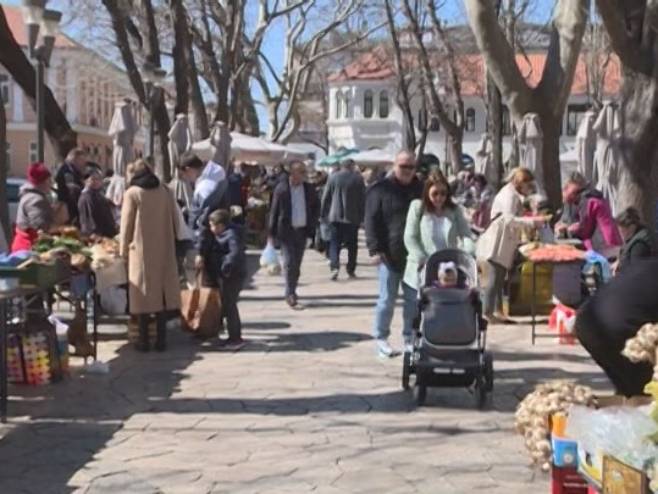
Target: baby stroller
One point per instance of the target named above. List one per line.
(449, 333)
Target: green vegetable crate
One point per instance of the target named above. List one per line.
(34, 274)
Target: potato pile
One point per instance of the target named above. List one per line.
(532, 415)
(643, 347)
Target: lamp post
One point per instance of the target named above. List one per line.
(153, 77)
(39, 19)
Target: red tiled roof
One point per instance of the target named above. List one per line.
(17, 26)
(378, 65)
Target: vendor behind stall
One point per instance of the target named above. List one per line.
(35, 213)
(638, 241)
(613, 315)
(588, 217)
(95, 210)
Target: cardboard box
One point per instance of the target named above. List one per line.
(619, 478)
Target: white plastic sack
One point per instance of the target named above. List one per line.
(269, 257)
(114, 300)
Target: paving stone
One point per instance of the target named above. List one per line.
(306, 406)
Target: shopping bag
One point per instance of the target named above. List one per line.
(269, 257)
(201, 310)
(114, 300)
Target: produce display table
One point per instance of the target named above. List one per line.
(533, 306)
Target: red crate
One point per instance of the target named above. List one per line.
(566, 480)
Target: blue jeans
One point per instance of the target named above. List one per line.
(389, 285)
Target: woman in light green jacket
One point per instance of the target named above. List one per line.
(434, 223)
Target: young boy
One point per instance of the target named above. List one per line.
(225, 261)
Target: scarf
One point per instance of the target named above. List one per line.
(145, 179)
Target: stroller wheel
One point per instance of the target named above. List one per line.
(420, 394)
(488, 372)
(406, 370)
(480, 391)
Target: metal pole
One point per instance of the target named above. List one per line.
(152, 122)
(40, 109)
(3, 361)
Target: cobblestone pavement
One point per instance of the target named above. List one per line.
(307, 406)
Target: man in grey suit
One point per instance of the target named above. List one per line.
(343, 205)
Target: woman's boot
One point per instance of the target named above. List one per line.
(143, 344)
(161, 332)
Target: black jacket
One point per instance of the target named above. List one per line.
(343, 198)
(223, 255)
(639, 246)
(387, 204)
(69, 185)
(280, 221)
(96, 214)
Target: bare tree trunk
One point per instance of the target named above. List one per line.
(4, 204)
(62, 137)
(201, 128)
(495, 116)
(180, 55)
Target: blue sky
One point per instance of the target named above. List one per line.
(453, 11)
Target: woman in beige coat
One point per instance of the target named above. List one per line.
(148, 234)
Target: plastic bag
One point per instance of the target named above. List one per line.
(622, 432)
(269, 257)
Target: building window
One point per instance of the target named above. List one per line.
(367, 104)
(347, 99)
(470, 120)
(575, 114)
(34, 153)
(383, 104)
(339, 105)
(507, 122)
(435, 124)
(4, 88)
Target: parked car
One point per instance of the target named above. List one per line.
(13, 191)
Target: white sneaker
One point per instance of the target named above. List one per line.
(408, 346)
(385, 350)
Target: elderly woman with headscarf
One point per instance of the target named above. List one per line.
(148, 233)
(35, 212)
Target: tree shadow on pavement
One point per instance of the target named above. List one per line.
(320, 341)
(73, 420)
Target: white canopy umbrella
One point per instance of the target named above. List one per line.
(180, 141)
(531, 142)
(248, 148)
(607, 169)
(122, 131)
(586, 145)
(373, 157)
(484, 162)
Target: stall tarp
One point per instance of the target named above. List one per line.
(335, 158)
(586, 145)
(245, 148)
(531, 142)
(607, 166)
(180, 141)
(373, 157)
(122, 131)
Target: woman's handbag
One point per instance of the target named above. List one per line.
(201, 310)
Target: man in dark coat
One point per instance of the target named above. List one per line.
(343, 203)
(69, 182)
(293, 218)
(95, 210)
(387, 204)
(615, 314)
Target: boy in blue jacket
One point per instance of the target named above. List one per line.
(225, 262)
